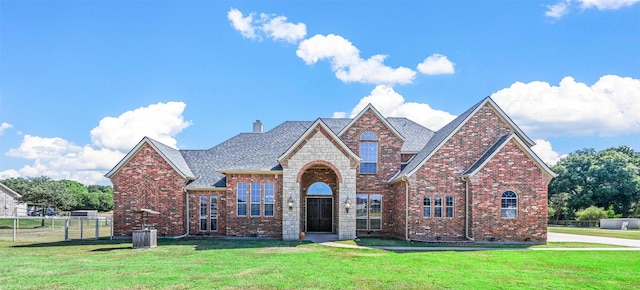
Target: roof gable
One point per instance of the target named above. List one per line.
(9, 191)
(320, 125)
(378, 115)
(170, 155)
(497, 147)
(446, 132)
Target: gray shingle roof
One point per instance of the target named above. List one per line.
(174, 157)
(260, 151)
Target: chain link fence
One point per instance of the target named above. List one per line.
(54, 229)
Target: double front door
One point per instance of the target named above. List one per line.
(319, 214)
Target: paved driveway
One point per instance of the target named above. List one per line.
(557, 237)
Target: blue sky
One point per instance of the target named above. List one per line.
(81, 82)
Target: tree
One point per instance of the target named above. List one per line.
(44, 192)
(18, 185)
(607, 178)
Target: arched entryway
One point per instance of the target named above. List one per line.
(319, 196)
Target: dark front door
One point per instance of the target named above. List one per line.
(319, 213)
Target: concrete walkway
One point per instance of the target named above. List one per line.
(633, 245)
(558, 237)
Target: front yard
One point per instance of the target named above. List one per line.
(259, 264)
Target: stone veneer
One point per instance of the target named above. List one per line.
(318, 148)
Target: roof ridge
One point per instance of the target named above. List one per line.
(268, 142)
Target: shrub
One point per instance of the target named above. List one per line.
(591, 213)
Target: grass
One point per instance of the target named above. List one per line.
(260, 264)
(30, 229)
(629, 234)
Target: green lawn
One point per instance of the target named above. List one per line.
(260, 264)
(629, 234)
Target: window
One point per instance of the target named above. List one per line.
(368, 211)
(368, 153)
(449, 206)
(509, 205)
(437, 206)
(426, 207)
(319, 188)
(242, 199)
(213, 213)
(268, 199)
(255, 198)
(208, 204)
(203, 213)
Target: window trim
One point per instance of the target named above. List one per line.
(206, 214)
(270, 201)
(448, 207)
(437, 205)
(213, 217)
(367, 210)
(238, 202)
(255, 198)
(369, 137)
(202, 213)
(426, 199)
(508, 198)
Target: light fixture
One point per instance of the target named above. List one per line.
(290, 203)
(347, 205)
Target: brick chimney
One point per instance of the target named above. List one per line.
(257, 127)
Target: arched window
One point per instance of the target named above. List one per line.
(509, 205)
(319, 188)
(368, 153)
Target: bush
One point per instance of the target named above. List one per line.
(591, 213)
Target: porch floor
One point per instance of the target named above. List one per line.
(320, 238)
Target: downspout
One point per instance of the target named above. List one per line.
(406, 209)
(186, 194)
(466, 214)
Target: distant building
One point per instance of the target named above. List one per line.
(475, 179)
(9, 204)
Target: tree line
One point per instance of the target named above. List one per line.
(65, 195)
(596, 184)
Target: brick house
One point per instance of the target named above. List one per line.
(474, 179)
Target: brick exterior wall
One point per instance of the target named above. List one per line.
(510, 169)
(148, 181)
(440, 176)
(253, 226)
(194, 212)
(389, 159)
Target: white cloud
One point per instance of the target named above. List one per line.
(272, 26)
(558, 10)
(11, 173)
(391, 104)
(4, 126)
(278, 28)
(339, 115)
(61, 159)
(544, 150)
(161, 121)
(607, 4)
(562, 8)
(242, 24)
(436, 64)
(608, 108)
(348, 65)
(34, 147)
